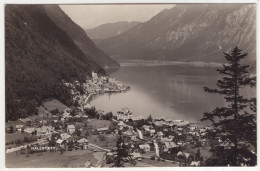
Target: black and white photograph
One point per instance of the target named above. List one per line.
(130, 85)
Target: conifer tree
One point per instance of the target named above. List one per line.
(149, 119)
(121, 153)
(197, 158)
(236, 120)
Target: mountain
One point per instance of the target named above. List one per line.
(105, 31)
(78, 35)
(188, 32)
(39, 55)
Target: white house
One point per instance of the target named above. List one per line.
(19, 127)
(140, 134)
(136, 156)
(83, 142)
(186, 155)
(29, 130)
(131, 133)
(46, 130)
(124, 114)
(71, 129)
(147, 128)
(169, 145)
(160, 134)
(64, 136)
(195, 163)
(59, 142)
(152, 132)
(227, 144)
(94, 75)
(193, 128)
(102, 130)
(88, 164)
(145, 147)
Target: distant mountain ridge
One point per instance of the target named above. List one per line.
(188, 32)
(78, 35)
(105, 31)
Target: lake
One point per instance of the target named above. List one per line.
(171, 91)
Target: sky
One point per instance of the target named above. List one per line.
(89, 16)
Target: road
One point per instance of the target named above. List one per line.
(93, 145)
(100, 162)
(39, 141)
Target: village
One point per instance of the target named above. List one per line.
(58, 130)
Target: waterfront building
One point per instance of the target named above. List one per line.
(159, 119)
(124, 114)
(180, 123)
(94, 75)
(88, 106)
(137, 118)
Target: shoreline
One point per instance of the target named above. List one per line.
(90, 98)
(170, 63)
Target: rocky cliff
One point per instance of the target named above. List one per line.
(188, 32)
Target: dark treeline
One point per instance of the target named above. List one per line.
(38, 56)
(235, 122)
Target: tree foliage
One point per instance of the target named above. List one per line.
(107, 116)
(91, 112)
(38, 57)
(121, 152)
(237, 120)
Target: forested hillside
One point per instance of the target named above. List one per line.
(38, 56)
(79, 37)
(107, 30)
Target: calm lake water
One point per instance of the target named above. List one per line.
(170, 91)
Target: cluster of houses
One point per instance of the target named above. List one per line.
(37, 128)
(152, 138)
(97, 85)
(160, 135)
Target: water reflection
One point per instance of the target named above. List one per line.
(170, 91)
